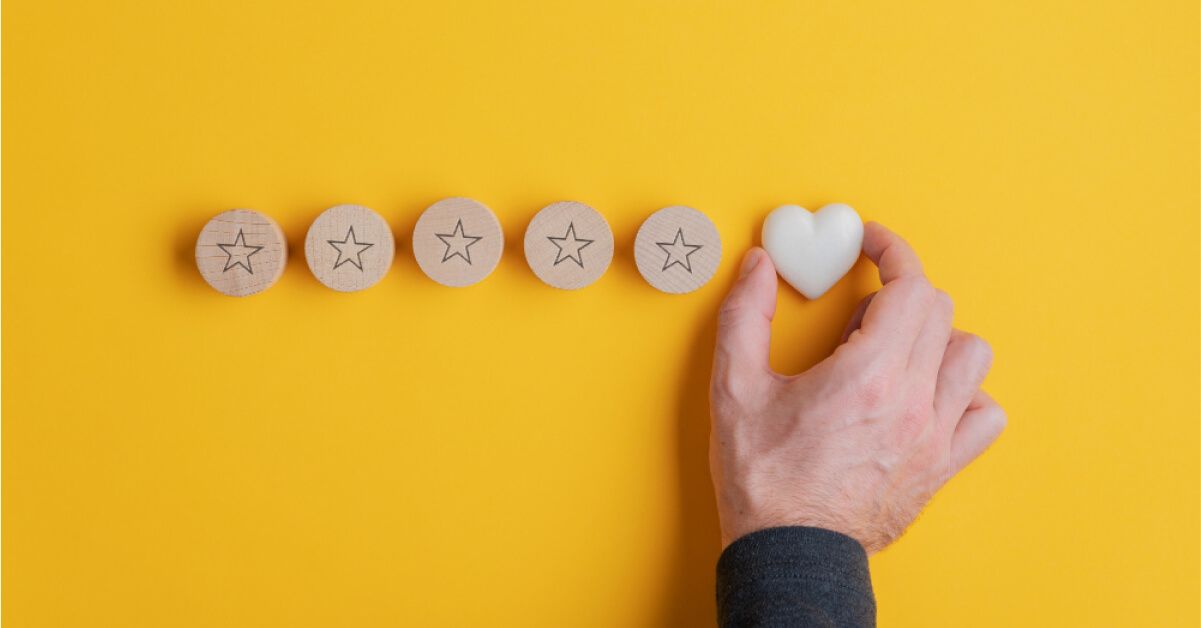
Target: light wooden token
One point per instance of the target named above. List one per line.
(458, 242)
(568, 245)
(241, 252)
(677, 249)
(349, 248)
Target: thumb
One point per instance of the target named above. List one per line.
(744, 325)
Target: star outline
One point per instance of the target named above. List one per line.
(357, 260)
(465, 254)
(679, 241)
(239, 242)
(578, 258)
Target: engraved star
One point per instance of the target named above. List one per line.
(678, 251)
(239, 253)
(350, 250)
(569, 246)
(458, 243)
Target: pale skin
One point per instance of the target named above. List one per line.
(859, 443)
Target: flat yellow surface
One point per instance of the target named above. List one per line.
(509, 454)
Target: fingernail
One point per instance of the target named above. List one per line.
(749, 262)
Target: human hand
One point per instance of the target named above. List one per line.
(860, 442)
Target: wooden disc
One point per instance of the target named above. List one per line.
(458, 242)
(568, 245)
(241, 252)
(677, 249)
(349, 248)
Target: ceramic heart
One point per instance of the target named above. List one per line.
(812, 251)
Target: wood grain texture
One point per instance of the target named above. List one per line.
(349, 248)
(677, 249)
(240, 252)
(458, 241)
(568, 245)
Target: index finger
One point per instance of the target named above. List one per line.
(898, 311)
(890, 252)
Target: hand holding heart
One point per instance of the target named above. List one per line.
(860, 442)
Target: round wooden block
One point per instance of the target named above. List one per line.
(241, 252)
(349, 248)
(568, 245)
(457, 242)
(677, 249)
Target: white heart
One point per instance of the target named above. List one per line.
(813, 251)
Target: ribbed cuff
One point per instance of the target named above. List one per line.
(795, 576)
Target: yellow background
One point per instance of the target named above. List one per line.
(509, 454)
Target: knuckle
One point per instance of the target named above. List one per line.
(725, 410)
(728, 315)
(999, 419)
(943, 302)
(727, 386)
(874, 386)
(914, 418)
(980, 350)
(918, 288)
(738, 388)
(921, 284)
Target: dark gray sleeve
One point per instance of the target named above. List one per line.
(795, 576)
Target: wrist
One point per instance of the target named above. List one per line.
(741, 524)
